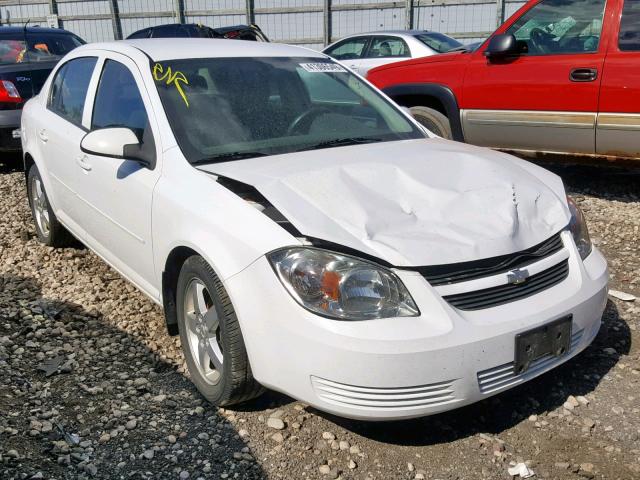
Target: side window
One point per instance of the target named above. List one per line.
(69, 89)
(382, 47)
(555, 27)
(349, 49)
(629, 39)
(118, 102)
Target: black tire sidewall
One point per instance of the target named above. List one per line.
(196, 268)
(33, 174)
(433, 120)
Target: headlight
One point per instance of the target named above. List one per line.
(342, 287)
(578, 228)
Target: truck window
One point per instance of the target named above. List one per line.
(554, 27)
(629, 39)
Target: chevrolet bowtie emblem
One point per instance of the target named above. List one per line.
(516, 277)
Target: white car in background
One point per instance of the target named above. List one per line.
(303, 233)
(365, 51)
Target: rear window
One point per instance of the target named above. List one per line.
(438, 41)
(36, 47)
(179, 31)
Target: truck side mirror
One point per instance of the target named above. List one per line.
(502, 45)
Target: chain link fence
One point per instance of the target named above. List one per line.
(312, 23)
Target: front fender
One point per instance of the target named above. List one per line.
(190, 209)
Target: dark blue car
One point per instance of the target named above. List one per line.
(27, 56)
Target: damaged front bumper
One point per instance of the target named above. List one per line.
(414, 366)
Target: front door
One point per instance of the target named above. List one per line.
(350, 52)
(382, 50)
(546, 98)
(116, 193)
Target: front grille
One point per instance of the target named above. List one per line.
(494, 296)
(351, 396)
(504, 376)
(465, 271)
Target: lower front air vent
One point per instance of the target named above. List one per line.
(504, 376)
(351, 396)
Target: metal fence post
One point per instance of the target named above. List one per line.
(408, 15)
(251, 18)
(115, 19)
(179, 6)
(53, 14)
(500, 12)
(326, 18)
(53, 7)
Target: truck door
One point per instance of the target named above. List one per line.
(545, 98)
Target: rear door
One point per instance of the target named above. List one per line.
(618, 128)
(545, 99)
(60, 131)
(350, 52)
(383, 49)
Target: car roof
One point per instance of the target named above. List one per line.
(159, 49)
(399, 33)
(16, 29)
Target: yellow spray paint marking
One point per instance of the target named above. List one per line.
(171, 77)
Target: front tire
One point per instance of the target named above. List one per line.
(211, 338)
(49, 230)
(433, 121)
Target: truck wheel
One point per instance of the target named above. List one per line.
(49, 230)
(433, 121)
(211, 338)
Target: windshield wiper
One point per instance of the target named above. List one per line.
(461, 48)
(341, 142)
(223, 157)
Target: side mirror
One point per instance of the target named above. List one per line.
(503, 45)
(121, 143)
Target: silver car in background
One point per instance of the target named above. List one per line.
(365, 51)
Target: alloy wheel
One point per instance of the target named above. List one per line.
(203, 331)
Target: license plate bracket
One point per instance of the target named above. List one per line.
(552, 338)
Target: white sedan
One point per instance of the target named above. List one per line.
(303, 233)
(365, 51)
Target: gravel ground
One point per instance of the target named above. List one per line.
(92, 387)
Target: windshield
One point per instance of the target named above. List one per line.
(36, 47)
(224, 109)
(438, 41)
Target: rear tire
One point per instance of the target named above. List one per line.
(433, 121)
(49, 230)
(211, 338)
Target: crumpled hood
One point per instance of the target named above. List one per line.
(411, 203)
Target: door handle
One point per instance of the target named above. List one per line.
(43, 135)
(583, 74)
(81, 160)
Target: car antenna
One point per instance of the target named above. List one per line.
(24, 27)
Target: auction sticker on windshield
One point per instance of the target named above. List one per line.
(322, 67)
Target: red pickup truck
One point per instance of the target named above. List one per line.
(560, 76)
